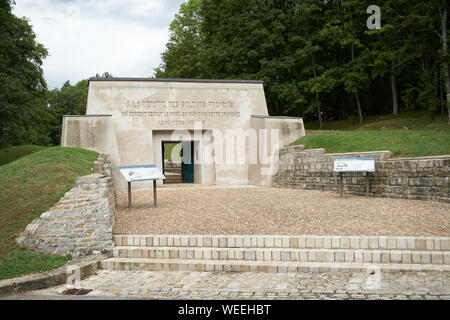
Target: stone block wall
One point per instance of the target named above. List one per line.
(422, 178)
(82, 221)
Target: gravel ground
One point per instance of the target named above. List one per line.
(256, 210)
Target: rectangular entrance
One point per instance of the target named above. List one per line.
(178, 161)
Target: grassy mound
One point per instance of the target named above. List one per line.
(424, 137)
(410, 120)
(411, 143)
(11, 154)
(29, 187)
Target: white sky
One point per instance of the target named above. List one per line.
(85, 37)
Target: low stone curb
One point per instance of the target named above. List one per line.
(287, 241)
(88, 266)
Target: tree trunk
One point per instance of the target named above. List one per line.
(358, 104)
(442, 103)
(445, 53)
(394, 90)
(319, 112)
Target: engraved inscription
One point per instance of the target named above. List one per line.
(179, 112)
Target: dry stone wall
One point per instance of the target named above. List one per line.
(423, 178)
(82, 221)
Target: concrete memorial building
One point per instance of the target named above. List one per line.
(223, 126)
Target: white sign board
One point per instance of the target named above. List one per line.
(141, 173)
(354, 165)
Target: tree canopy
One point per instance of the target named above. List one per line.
(22, 84)
(318, 59)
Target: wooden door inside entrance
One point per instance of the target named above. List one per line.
(187, 162)
(178, 161)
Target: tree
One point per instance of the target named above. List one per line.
(182, 58)
(254, 40)
(309, 21)
(443, 12)
(23, 113)
(69, 100)
(388, 52)
(317, 58)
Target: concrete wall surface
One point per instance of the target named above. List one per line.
(130, 118)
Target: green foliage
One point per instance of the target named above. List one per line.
(315, 57)
(23, 113)
(13, 153)
(69, 100)
(182, 58)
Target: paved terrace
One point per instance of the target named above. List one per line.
(221, 285)
(250, 210)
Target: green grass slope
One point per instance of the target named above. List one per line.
(28, 187)
(424, 137)
(13, 153)
(401, 143)
(411, 120)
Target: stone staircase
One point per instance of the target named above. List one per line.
(278, 253)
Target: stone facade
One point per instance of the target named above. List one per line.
(82, 221)
(422, 178)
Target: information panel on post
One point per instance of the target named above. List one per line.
(141, 173)
(343, 165)
(354, 165)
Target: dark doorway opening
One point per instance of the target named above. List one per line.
(178, 161)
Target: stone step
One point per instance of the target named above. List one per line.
(285, 254)
(301, 242)
(173, 179)
(121, 264)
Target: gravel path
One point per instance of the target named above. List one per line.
(256, 210)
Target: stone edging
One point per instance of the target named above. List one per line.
(287, 241)
(53, 278)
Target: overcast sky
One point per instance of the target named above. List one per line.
(85, 37)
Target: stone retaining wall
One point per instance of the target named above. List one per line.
(82, 221)
(423, 178)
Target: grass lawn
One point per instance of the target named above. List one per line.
(10, 154)
(28, 187)
(412, 143)
(424, 137)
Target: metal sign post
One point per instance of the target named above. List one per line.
(343, 165)
(155, 200)
(129, 194)
(142, 173)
